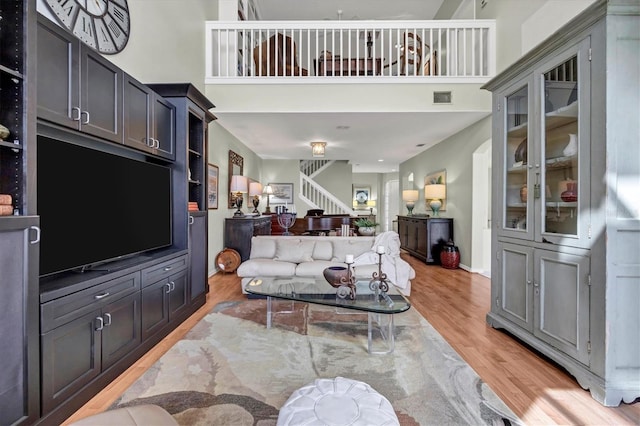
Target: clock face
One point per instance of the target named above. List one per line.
(103, 25)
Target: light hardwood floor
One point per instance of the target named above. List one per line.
(455, 302)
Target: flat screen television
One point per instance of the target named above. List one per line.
(96, 207)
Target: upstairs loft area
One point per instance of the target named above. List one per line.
(456, 51)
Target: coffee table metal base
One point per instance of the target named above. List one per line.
(378, 324)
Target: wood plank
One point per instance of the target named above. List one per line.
(455, 302)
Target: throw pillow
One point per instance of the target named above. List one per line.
(354, 247)
(294, 251)
(262, 248)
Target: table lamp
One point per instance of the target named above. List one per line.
(255, 190)
(371, 204)
(410, 196)
(238, 187)
(268, 191)
(434, 194)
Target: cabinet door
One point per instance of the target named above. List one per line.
(137, 114)
(565, 142)
(562, 302)
(121, 332)
(179, 294)
(58, 75)
(164, 127)
(403, 232)
(100, 96)
(512, 287)
(198, 255)
(19, 351)
(422, 238)
(515, 158)
(70, 359)
(155, 307)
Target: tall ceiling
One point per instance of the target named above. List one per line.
(363, 138)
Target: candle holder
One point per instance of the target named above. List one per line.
(379, 283)
(347, 284)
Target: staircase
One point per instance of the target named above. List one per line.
(315, 195)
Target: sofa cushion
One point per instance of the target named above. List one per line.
(294, 251)
(323, 250)
(262, 248)
(315, 268)
(266, 268)
(354, 247)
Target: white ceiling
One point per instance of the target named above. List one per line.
(363, 138)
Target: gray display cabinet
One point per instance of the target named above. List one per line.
(566, 239)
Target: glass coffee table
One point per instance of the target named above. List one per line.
(380, 309)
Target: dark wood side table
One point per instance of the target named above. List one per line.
(423, 237)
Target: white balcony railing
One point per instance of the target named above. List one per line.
(340, 50)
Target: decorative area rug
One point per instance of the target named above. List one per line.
(231, 370)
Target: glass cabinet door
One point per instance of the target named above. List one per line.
(563, 176)
(516, 154)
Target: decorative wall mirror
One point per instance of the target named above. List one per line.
(236, 166)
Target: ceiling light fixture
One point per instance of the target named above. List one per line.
(317, 148)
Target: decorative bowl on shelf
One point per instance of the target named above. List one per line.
(333, 275)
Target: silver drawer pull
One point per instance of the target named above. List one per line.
(108, 321)
(168, 287)
(101, 296)
(168, 268)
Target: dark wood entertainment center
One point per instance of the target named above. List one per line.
(72, 333)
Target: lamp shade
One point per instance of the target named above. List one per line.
(435, 191)
(238, 183)
(255, 188)
(371, 203)
(267, 190)
(410, 195)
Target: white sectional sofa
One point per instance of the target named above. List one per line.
(308, 256)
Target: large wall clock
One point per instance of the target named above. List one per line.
(103, 25)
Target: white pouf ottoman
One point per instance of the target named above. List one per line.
(337, 402)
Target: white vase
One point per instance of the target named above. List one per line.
(572, 147)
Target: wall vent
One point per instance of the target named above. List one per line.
(442, 97)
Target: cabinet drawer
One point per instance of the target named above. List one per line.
(154, 273)
(60, 311)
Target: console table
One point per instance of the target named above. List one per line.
(348, 66)
(423, 237)
(239, 230)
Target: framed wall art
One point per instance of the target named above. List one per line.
(236, 167)
(361, 194)
(282, 193)
(212, 186)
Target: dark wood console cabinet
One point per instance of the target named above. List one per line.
(423, 237)
(238, 232)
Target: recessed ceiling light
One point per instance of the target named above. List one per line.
(380, 161)
(420, 144)
(343, 127)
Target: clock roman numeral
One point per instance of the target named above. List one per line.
(117, 13)
(114, 29)
(66, 7)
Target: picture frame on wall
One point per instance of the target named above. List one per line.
(212, 186)
(282, 193)
(361, 195)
